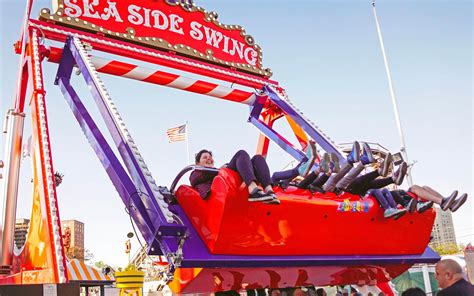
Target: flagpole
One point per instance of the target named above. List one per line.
(187, 141)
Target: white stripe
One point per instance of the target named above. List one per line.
(82, 275)
(220, 91)
(250, 100)
(182, 82)
(139, 73)
(73, 273)
(99, 62)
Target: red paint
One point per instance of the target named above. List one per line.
(303, 224)
(188, 280)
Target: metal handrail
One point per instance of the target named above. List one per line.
(187, 169)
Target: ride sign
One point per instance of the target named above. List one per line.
(167, 25)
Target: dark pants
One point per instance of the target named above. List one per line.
(368, 181)
(250, 170)
(287, 175)
(401, 197)
(384, 197)
(313, 179)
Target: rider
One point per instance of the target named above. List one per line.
(251, 170)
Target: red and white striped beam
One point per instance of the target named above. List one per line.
(162, 78)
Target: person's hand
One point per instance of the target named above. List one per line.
(223, 166)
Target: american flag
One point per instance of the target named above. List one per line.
(176, 134)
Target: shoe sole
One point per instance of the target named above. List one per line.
(386, 165)
(356, 148)
(450, 201)
(274, 201)
(370, 157)
(335, 161)
(458, 203)
(402, 173)
(424, 209)
(399, 215)
(412, 205)
(262, 198)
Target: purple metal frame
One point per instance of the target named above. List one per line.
(294, 114)
(144, 211)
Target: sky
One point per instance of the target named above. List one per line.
(327, 56)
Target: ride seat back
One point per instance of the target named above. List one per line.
(207, 216)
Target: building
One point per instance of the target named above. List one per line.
(469, 257)
(73, 238)
(21, 229)
(443, 229)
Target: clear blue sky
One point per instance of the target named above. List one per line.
(327, 56)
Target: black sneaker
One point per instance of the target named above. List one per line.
(399, 174)
(385, 165)
(258, 195)
(458, 202)
(422, 207)
(411, 206)
(448, 201)
(273, 201)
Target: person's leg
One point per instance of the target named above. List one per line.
(242, 164)
(444, 202)
(308, 180)
(352, 158)
(432, 191)
(322, 178)
(380, 182)
(389, 198)
(394, 212)
(424, 194)
(261, 171)
(351, 176)
(362, 183)
(285, 175)
(330, 185)
(401, 198)
(377, 193)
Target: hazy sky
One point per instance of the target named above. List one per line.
(327, 56)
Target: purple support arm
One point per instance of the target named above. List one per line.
(135, 192)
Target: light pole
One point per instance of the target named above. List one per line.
(403, 149)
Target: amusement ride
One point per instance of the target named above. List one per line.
(213, 244)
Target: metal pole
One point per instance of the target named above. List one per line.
(10, 184)
(426, 278)
(392, 93)
(187, 142)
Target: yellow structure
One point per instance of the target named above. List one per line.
(130, 281)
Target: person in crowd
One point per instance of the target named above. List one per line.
(321, 292)
(414, 292)
(450, 279)
(252, 171)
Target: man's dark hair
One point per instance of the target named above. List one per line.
(198, 155)
(414, 292)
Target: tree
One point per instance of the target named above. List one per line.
(448, 249)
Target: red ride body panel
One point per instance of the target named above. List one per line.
(303, 224)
